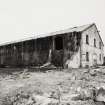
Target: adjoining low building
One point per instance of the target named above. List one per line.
(71, 48)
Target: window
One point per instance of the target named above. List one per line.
(94, 42)
(100, 57)
(58, 43)
(100, 45)
(87, 39)
(87, 56)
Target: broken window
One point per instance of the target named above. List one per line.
(87, 56)
(87, 39)
(94, 42)
(58, 43)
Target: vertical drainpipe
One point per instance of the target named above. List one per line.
(80, 50)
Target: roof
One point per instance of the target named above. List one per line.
(69, 30)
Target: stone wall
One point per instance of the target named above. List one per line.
(94, 52)
(72, 50)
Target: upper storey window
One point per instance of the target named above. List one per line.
(94, 42)
(100, 45)
(87, 39)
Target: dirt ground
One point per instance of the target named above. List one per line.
(53, 87)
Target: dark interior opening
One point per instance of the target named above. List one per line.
(58, 43)
(87, 39)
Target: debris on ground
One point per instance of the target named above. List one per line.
(66, 87)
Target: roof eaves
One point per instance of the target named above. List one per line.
(99, 35)
(88, 27)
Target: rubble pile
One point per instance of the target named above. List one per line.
(68, 87)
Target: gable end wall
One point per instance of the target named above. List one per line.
(94, 52)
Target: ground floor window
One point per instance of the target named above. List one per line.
(100, 57)
(87, 56)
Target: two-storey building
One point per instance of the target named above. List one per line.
(75, 47)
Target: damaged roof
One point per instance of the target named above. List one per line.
(69, 30)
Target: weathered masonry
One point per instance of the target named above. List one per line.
(71, 48)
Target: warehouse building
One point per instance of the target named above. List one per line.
(71, 48)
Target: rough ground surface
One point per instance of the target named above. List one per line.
(66, 87)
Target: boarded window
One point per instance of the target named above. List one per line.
(94, 42)
(87, 39)
(87, 56)
(59, 43)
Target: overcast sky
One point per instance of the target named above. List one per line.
(25, 18)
